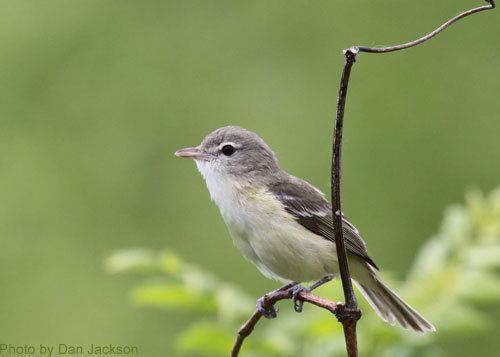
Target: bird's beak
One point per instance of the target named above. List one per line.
(190, 153)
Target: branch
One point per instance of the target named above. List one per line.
(356, 49)
(269, 301)
(351, 313)
(347, 314)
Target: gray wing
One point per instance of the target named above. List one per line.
(314, 212)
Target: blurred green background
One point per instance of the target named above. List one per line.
(95, 96)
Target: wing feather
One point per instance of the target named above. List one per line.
(310, 208)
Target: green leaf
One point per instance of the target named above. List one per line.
(431, 256)
(171, 295)
(481, 286)
(483, 257)
(169, 262)
(206, 339)
(199, 279)
(232, 303)
(459, 319)
(142, 260)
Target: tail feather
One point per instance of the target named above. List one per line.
(391, 308)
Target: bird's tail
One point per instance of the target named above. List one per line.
(390, 307)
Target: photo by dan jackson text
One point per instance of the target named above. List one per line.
(62, 349)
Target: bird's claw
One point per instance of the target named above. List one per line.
(298, 305)
(269, 312)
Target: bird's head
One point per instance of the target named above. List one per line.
(232, 151)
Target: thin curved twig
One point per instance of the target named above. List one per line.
(403, 46)
(269, 301)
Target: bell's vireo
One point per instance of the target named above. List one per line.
(284, 225)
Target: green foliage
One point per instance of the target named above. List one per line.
(453, 276)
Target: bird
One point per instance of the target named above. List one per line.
(284, 225)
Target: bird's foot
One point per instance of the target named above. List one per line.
(269, 312)
(297, 289)
(298, 305)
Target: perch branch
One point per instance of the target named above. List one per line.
(347, 314)
(269, 301)
(350, 313)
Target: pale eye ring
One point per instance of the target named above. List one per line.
(228, 149)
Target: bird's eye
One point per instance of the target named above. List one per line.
(228, 150)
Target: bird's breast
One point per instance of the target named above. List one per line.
(269, 236)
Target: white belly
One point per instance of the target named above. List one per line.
(270, 237)
(288, 252)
